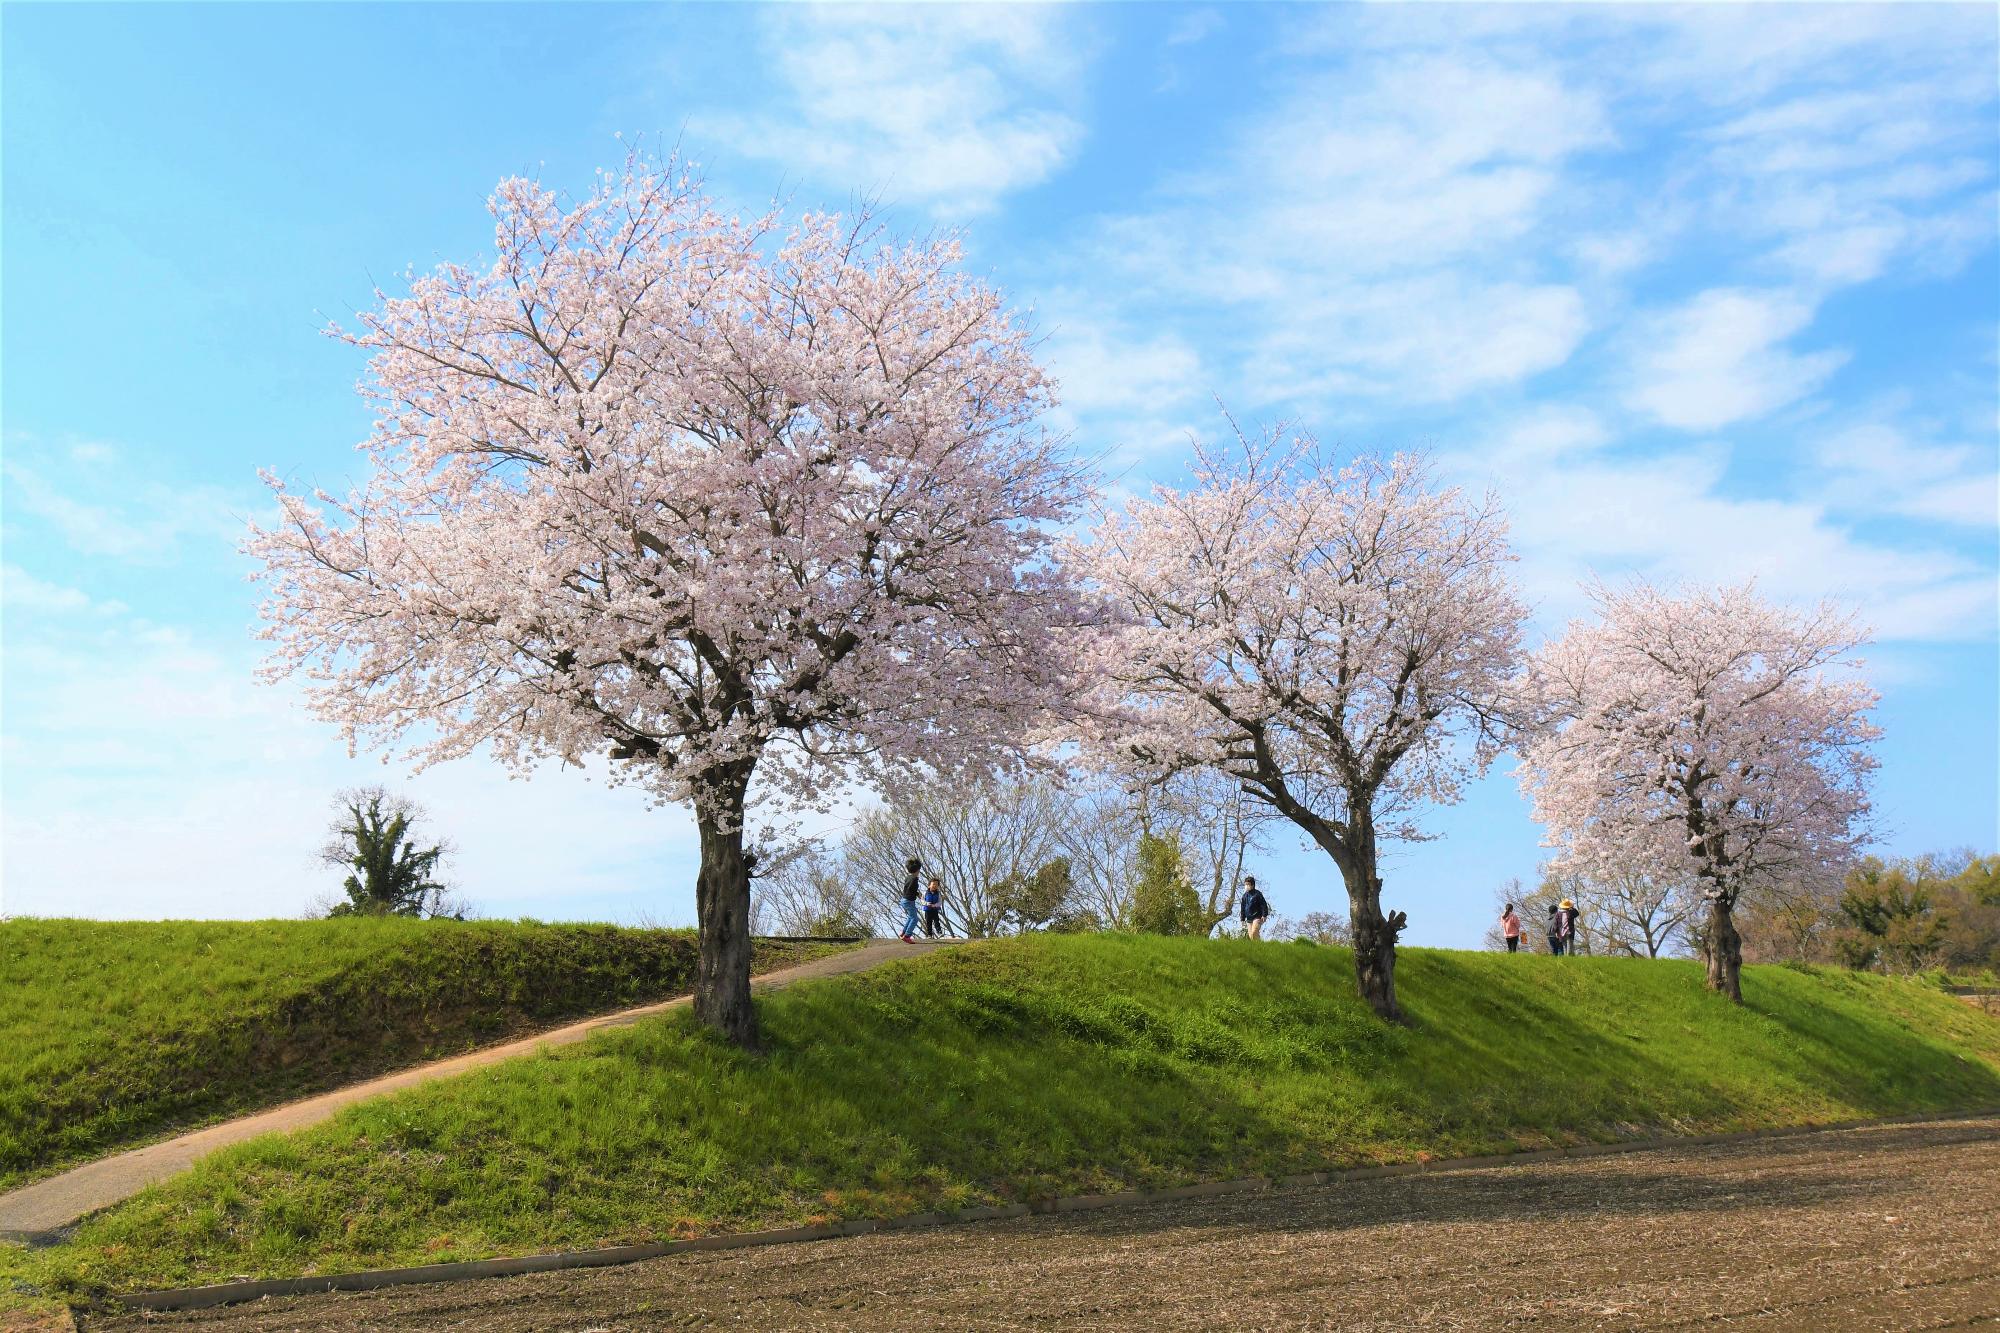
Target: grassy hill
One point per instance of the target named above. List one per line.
(113, 1033)
(1029, 1067)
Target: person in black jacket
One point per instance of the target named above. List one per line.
(1562, 928)
(909, 930)
(1253, 909)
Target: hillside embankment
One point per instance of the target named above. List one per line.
(1028, 1068)
(115, 1033)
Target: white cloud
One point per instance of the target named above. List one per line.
(951, 106)
(1735, 55)
(1436, 338)
(1877, 467)
(22, 591)
(1357, 237)
(1541, 437)
(1719, 359)
(1844, 255)
(98, 502)
(1408, 163)
(1616, 253)
(1578, 505)
(147, 774)
(1432, 208)
(1103, 368)
(1193, 27)
(1846, 138)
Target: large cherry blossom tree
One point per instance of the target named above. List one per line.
(1706, 734)
(751, 514)
(1336, 639)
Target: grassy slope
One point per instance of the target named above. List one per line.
(112, 1033)
(1029, 1067)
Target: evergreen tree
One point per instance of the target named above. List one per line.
(388, 874)
(1164, 902)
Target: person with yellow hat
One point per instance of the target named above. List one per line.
(1562, 928)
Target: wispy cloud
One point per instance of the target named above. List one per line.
(1581, 505)
(1361, 235)
(100, 502)
(22, 591)
(1721, 358)
(1561, 240)
(950, 106)
(1194, 26)
(166, 779)
(1877, 466)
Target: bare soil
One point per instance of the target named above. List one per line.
(1877, 1229)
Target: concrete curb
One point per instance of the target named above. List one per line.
(227, 1293)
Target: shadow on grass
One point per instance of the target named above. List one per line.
(1880, 1062)
(1572, 1040)
(1030, 1068)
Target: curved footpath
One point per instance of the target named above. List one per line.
(38, 1212)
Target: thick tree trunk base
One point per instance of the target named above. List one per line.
(1723, 951)
(1374, 938)
(722, 907)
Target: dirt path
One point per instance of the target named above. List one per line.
(1878, 1229)
(48, 1205)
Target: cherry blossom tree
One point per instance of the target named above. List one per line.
(1707, 735)
(1334, 638)
(750, 513)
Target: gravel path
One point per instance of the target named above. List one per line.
(1874, 1229)
(34, 1211)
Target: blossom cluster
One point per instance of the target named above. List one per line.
(1339, 637)
(1706, 734)
(762, 510)
(718, 500)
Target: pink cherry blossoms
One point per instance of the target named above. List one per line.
(720, 503)
(1709, 734)
(1336, 639)
(757, 513)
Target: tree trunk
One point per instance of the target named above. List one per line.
(1722, 949)
(1374, 934)
(722, 909)
(1375, 950)
(1352, 847)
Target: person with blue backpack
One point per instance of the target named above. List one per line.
(1253, 908)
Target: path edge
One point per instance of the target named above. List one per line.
(331, 1101)
(230, 1293)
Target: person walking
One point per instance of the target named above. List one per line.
(934, 909)
(1562, 927)
(1253, 908)
(1510, 928)
(909, 933)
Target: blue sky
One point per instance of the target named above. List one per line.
(1702, 293)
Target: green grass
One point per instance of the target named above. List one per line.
(114, 1033)
(1033, 1067)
